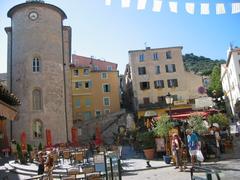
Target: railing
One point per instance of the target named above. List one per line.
(208, 172)
(153, 105)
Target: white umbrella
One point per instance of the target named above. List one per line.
(150, 114)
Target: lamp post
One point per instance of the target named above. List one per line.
(169, 102)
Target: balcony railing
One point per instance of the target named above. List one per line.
(153, 105)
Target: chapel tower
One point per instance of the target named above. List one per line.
(39, 53)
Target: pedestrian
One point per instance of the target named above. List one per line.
(192, 145)
(218, 141)
(40, 163)
(237, 128)
(14, 150)
(177, 150)
(49, 166)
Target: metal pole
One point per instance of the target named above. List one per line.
(119, 169)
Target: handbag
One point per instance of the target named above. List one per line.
(200, 156)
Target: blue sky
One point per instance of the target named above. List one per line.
(109, 32)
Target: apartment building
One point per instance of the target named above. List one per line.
(230, 78)
(153, 73)
(95, 88)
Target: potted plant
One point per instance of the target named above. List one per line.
(147, 142)
(161, 129)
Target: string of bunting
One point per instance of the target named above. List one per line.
(190, 7)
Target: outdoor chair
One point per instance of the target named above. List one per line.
(55, 158)
(78, 157)
(66, 155)
(91, 174)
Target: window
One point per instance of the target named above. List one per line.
(106, 88)
(106, 111)
(109, 68)
(78, 84)
(146, 100)
(157, 69)
(155, 56)
(96, 68)
(37, 129)
(172, 83)
(36, 65)
(144, 85)
(85, 71)
(87, 115)
(88, 84)
(170, 68)
(77, 103)
(106, 101)
(104, 75)
(141, 70)
(75, 72)
(88, 102)
(98, 113)
(37, 99)
(169, 55)
(141, 57)
(159, 84)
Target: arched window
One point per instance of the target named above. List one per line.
(37, 129)
(36, 64)
(37, 99)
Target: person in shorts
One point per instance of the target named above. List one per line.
(192, 145)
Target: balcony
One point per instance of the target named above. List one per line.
(157, 105)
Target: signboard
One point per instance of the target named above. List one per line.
(180, 102)
(203, 102)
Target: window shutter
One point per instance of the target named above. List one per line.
(174, 68)
(166, 68)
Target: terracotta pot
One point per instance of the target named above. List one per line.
(149, 153)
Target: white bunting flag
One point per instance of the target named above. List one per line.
(157, 5)
(190, 8)
(108, 2)
(173, 7)
(235, 8)
(220, 8)
(141, 4)
(125, 3)
(205, 8)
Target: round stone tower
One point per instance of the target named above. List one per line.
(39, 51)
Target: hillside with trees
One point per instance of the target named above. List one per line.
(200, 64)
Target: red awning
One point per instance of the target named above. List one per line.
(187, 115)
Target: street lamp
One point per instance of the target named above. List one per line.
(169, 102)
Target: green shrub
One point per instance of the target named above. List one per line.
(146, 139)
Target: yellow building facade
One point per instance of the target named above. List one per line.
(95, 91)
(155, 73)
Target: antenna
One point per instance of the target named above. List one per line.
(231, 46)
(145, 44)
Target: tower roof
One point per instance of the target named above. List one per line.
(36, 3)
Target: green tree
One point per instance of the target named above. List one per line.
(215, 86)
(219, 118)
(163, 126)
(197, 124)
